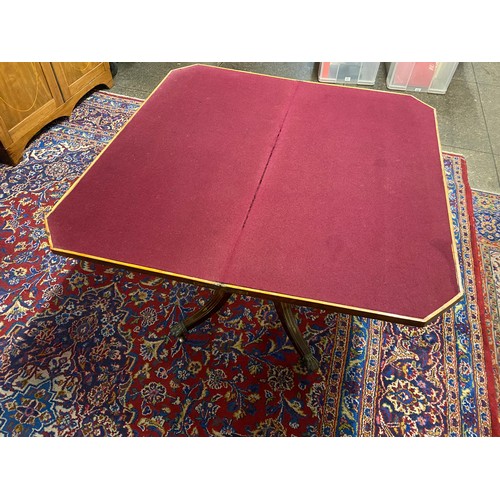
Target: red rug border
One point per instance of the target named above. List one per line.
(495, 422)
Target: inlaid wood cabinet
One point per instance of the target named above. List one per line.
(33, 94)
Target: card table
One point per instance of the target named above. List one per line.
(298, 192)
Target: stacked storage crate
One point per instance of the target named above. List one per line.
(362, 73)
(431, 77)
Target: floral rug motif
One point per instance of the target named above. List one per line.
(86, 350)
(487, 219)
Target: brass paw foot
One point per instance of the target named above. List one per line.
(311, 363)
(179, 330)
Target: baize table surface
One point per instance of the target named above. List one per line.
(313, 192)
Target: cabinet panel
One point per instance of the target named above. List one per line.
(75, 76)
(24, 92)
(33, 94)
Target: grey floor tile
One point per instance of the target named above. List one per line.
(145, 76)
(464, 71)
(380, 80)
(481, 169)
(497, 165)
(490, 99)
(117, 89)
(460, 116)
(487, 72)
(299, 70)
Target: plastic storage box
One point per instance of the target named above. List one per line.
(363, 73)
(432, 77)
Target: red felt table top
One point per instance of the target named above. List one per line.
(310, 192)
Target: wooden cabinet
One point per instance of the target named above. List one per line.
(34, 94)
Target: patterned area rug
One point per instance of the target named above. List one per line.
(487, 219)
(85, 348)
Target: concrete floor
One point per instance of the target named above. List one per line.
(468, 114)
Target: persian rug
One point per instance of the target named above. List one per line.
(85, 348)
(487, 220)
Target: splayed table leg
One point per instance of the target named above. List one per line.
(291, 328)
(218, 299)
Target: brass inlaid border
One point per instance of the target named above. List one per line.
(264, 293)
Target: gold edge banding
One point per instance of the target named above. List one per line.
(443, 308)
(249, 291)
(47, 230)
(345, 308)
(452, 153)
(450, 220)
(135, 266)
(421, 102)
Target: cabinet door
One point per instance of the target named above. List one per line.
(29, 95)
(75, 77)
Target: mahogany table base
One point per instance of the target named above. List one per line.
(285, 314)
(218, 299)
(289, 323)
